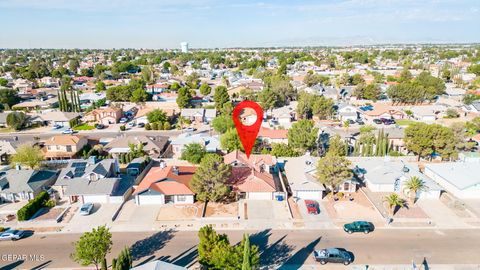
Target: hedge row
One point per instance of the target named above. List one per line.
(33, 206)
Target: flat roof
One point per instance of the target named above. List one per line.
(300, 172)
(460, 174)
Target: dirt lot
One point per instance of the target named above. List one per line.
(358, 208)
(222, 210)
(179, 212)
(48, 214)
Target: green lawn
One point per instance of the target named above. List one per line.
(83, 127)
(404, 122)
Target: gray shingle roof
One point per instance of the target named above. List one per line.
(26, 180)
(82, 186)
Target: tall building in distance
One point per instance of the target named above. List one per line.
(184, 46)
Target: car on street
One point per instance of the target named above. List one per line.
(141, 125)
(359, 226)
(56, 126)
(190, 129)
(12, 235)
(312, 207)
(387, 121)
(131, 124)
(68, 131)
(123, 120)
(333, 255)
(99, 126)
(86, 209)
(377, 121)
(360, 121)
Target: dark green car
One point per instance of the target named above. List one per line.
(359, 226)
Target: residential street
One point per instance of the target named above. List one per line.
(286, 248)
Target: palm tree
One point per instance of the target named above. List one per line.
(346, 124)
(414, 185)
(394, 201)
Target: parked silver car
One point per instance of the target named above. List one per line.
(12, 235)
(86, 209)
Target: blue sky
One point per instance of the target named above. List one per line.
(234, 23)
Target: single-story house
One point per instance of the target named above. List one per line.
(166, 184)
(428, 113)
(211, 143)
(273, 135)
(89, 181)
(300, 174)
(389, 175)
(106, 116)
(383, 111)
(462, 179)
(199, 115)
(6, 150)
(347, 112)
(23, 185)
(58, 118)
(154, 146)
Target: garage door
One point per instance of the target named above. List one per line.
(150, 199)
(260, 196)
(95, 198)
(309, 195)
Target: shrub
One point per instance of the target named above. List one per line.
(154, 126)
(160, 125)
(2, 229)
(51, 203)
(167, 126)
(122, 128)
(27, 211)
(147, 126)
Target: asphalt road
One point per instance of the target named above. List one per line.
(287, 249)
(91, 134)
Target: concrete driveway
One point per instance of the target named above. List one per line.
(267, 209)
(101, 215)
(321, 216)
(146, 214)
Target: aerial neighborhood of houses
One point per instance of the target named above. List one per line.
(142, 139)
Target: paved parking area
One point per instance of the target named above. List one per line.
(322, 215)
(101, 215)
(138, 213)
(267, 209)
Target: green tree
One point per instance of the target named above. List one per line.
(370, 91)
(394, 201)
(156, 116)
(205, 89)
(230, 141)
(220, 97)
(312, 79)
(332, 170)
(184, 97)
(283, 150)
(3, 82)
(247, 264)
(193, 153)
(208, 240)
(222, 123)
(336, 146)
(139, 95)
(93, 247)
(424, 140)
(413, 186)
(210, 181)
(124, 260)
(303, 135)
(16, 120)
(30, 156)
(100, 86)
(474, 69)
(8, 98)
(268, 99)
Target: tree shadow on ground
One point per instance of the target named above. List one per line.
(271, 254)
(186, 258)
(150, 245)
(300, 256)
(42, 266)
(13, 265)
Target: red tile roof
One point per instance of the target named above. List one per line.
(273, 133)
(245, 179)
(254, 160)
(166, 182)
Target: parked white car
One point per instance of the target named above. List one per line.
(12, 235)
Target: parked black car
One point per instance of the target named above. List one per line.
(377, 121)
(333, 255)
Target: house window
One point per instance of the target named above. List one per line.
(93, 177)
(181, 198)
(69, 148)
(346, 186)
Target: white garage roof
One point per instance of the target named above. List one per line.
(300, 172)
(460, 174)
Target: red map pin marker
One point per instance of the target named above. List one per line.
(247, 134)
